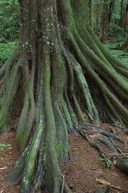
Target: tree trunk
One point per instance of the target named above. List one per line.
(63, 72)
(101, 14)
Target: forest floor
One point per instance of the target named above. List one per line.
(82, 172)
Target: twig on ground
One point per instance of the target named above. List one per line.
(63, 182)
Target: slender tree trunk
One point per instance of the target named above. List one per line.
(63, 72)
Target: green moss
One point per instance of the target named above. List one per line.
(6, 50)
(7, 101)
(61, 149)
(126, 162)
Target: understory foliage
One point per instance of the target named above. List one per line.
(59, 73)
(9, 27)
(8, 20)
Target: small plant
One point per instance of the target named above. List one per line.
(6, 49)
(3, 146)
(107, 161)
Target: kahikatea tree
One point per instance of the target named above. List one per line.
(108, 17)
(61, 71)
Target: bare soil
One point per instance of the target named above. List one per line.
(82, 172)
(8, 156)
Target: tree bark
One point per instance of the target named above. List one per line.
(64, 72)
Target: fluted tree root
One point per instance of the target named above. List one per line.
(64, 72)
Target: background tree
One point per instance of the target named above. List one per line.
(101, 12)
(118, 25)
(59, 72)
(109, 18)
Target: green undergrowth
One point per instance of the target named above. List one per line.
(6, 49)
(118, 53)
(4, 146)
(107, 162)
(123, 56)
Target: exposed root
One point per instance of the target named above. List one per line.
(57, 70)
(91, 109)
(8, 94)
(27, 115)
(96, 134)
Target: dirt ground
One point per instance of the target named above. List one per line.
(8, 156)
(82, 172)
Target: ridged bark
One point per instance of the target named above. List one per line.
(64, 72)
